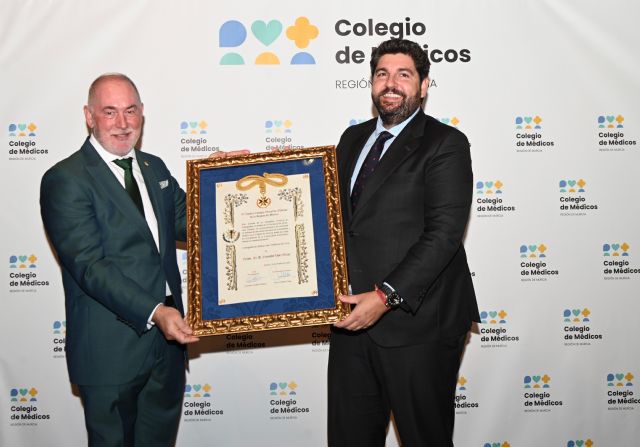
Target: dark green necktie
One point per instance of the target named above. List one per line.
(130, 183)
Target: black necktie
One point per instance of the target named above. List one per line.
(130, 183)
(369, 165)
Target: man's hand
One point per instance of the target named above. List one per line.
(223, 154)
(170, 322)
(369, 308)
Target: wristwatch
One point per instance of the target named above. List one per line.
(393, 299)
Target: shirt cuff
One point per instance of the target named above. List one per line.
(150, 322)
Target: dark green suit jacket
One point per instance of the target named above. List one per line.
(112, 271)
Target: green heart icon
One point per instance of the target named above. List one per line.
(532, 248)
(580, 443)
(488, 184)
(493, 314)
(615, 247)
(278, 123)
(618, 376)
(610, 118)
(575, 312)
(23, 391)
(536, 379)
(197, 387)
(266, 33)
(527, 119)
(495, 444)
(445, 120)
(572, 182)
(22, 258)
(282, 385)
(22, 126)
(193, 124)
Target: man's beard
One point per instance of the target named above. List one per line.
(399, 113)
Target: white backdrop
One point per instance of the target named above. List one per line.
(547, 92)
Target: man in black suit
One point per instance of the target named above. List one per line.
(117, 252)
(406, 197)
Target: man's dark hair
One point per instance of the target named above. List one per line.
(408, 47)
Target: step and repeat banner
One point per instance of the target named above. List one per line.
(546, 91)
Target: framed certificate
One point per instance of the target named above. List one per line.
(265, 244)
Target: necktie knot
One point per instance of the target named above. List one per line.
(125, 163)
(383, 137)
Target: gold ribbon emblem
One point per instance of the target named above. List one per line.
(250, 181)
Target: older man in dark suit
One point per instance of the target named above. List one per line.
(406, 185)
(113, 215)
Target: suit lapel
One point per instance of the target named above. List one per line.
(106, 181)
(403, 146)
(152, 183)
(350, 163)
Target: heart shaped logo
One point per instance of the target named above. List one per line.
(536, 379)
(580, 443)
(493, 314)
(615, 247)
(576, 312)
(23, 391)
(488, 184)
(193, 124)
(610, 118)
(266, 33)
(618, 376)
(282, 385)
(532, 248)
(22, 126)
(444, 120)
(572, 183)
(197, 387)
(278, 123)
(527, 119)
(22, 258)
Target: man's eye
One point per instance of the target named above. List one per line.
(110, 114)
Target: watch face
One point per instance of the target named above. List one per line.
(393, 299)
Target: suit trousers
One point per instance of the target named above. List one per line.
(143, 412)
(416, 383)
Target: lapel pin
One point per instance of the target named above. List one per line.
(146, 163)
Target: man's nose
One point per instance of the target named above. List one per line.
(121, 121)
(391, 81)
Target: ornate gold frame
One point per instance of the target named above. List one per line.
(336, 247)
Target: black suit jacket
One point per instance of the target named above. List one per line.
(408, 227)
(113, 273)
